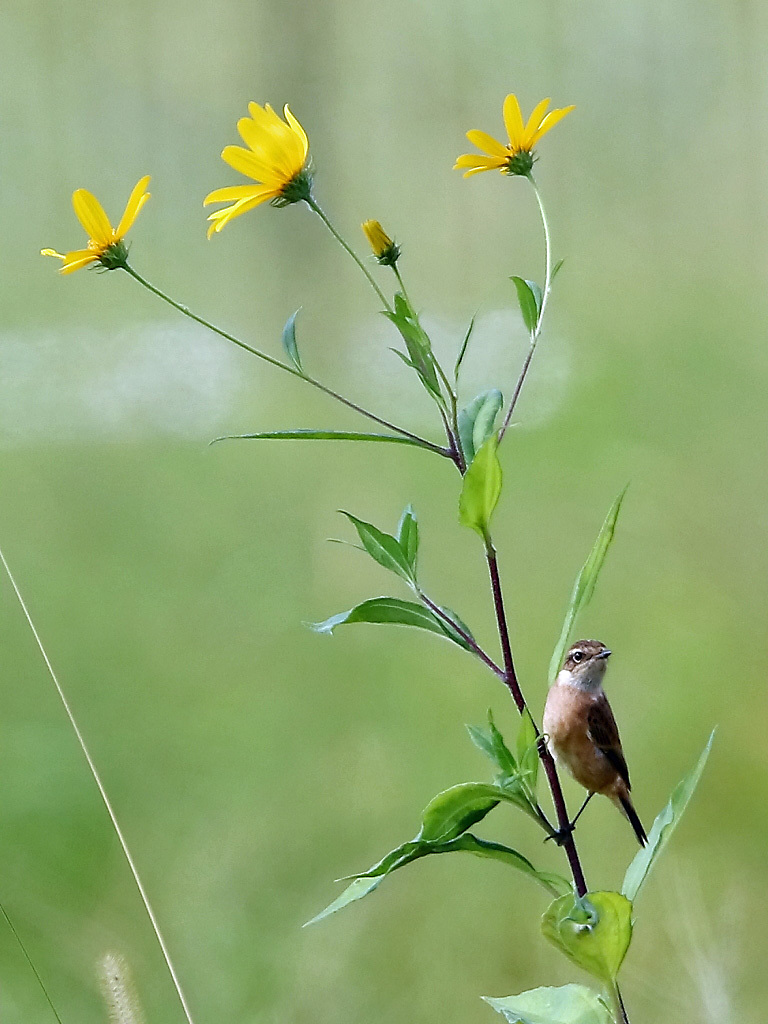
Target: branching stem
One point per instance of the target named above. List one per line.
(422, 441)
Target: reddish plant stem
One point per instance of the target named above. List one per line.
(512, 684)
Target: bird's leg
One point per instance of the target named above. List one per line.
(562, 834)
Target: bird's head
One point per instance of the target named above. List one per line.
(585, 664)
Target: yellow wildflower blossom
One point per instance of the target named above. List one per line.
(105, 243)
(276, 159)
(516, 156)
(382, 246)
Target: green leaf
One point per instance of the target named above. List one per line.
(408, 535)
(476, 421)
(556, 270)
(289, 341)
(469, 843)
(528, 751)
(664, 825)
(456, 809)
(319, 435)
(390, 610)
(594, 931)
(492, 744)
(382, 547)
(370, 880)
(528, 305)
(584, 586)
(481, 489)
(569, 1004)
(537, 296)
(417, 343)
(463, 349)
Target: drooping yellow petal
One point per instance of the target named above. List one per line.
(220, 218)
(136, 200)
(233, 193)
(487, 143)
(533, 122)
(476, 163)
(550, 121)
(513, 121)
(77, 259)
(90, 213)
(52, 252)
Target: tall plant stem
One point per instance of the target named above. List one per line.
(422, 441)
(313, 205)
(539, 320)
(29, 960)
(511, 682)
(105, 799)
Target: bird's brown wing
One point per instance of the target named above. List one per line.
(604, 733)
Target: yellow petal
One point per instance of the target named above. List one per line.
(136, 200)
(534, 120)
(247, 163)
(270, 148)
(52, 252)
(298, 130)
(479, 163)
(549, 122)
(487, 143)
(90, 213)
(221, 218)
(513, 120)
(77, 259)
(233, 193)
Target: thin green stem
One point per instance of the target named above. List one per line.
(29, 960)
(103, 794)
(313, 205)
(544, 298)
(422, 441)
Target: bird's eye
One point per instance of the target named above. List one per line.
(577, 656)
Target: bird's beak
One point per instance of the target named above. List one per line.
(604, 654)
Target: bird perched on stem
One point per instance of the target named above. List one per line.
(582, 733)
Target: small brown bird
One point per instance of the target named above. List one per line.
(582, 733)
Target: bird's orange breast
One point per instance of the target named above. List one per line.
(568, 739)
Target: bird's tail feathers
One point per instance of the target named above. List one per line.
(629, 810)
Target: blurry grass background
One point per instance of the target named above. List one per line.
(250, 761)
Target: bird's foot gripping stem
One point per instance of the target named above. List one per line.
(562, 835)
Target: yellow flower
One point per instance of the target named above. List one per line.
(276, 159)
(105, 243)
(516, 156)
(382, 246)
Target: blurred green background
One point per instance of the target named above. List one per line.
(250, 761)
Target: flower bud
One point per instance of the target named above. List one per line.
(382, 246)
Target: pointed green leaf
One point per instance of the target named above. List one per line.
(556, 270)
(469, 843)
(463, 349)
(417, 343)
(528, 305)
(528, 751)
(408, 535)
(456, 809)
(664, 825)
(594, 931)
(481, 489)
(537, 296)
(388, 610)
(382, 547)
(584, 586)
(319, 435)
(452, 629)
(476, 421)
(372, 879)
(569, 1004)
(492, 744)
(289, 341)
